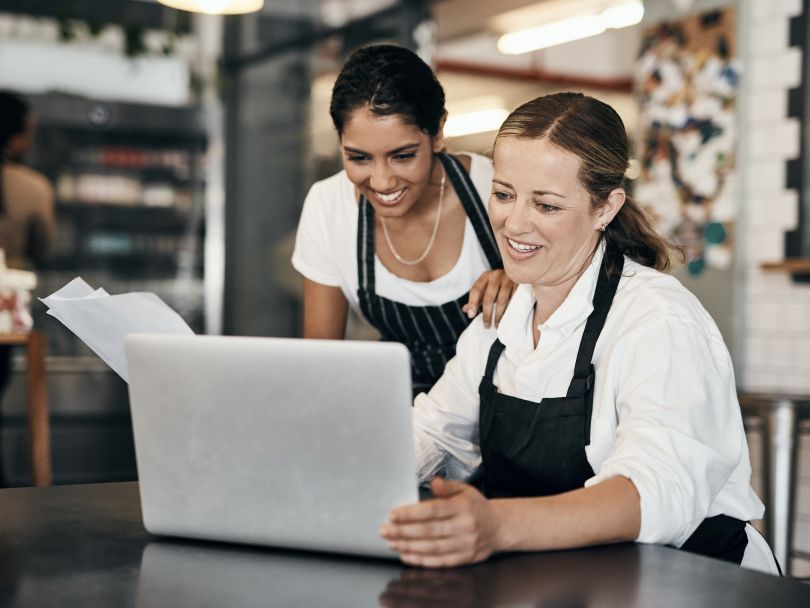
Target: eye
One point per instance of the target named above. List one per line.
(356, 158)
(501, 196)
(404, 156)
(546, 208)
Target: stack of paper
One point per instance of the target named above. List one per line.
(103, 321)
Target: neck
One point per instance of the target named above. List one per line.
(550, 297)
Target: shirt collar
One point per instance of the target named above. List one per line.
(514, 330)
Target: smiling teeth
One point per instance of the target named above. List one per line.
(521, 246)
(389, 197)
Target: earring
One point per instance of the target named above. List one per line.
(603, 228)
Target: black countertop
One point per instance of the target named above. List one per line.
(86, 546)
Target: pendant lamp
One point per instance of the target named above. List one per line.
(216, 7)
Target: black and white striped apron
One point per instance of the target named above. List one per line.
(429, 332)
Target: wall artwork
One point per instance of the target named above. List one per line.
(687, 80)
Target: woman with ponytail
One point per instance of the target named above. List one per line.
(602, 409)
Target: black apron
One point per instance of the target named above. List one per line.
(429, 332)
(538, 449)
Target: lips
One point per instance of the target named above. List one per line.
(519, 250)
(389, 199)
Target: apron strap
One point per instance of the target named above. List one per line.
(475, 208)
(495, 352)
(467, 194)
(606, 286)
(365, 245)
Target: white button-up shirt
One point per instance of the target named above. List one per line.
(665, 410)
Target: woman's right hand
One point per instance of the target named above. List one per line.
(492, 292)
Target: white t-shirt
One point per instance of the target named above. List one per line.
(326, 245)
(665, 409)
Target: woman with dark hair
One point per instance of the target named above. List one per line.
(603, 408)
(26, 198)
(27, 221)
(401, 234)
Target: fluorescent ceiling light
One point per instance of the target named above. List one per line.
(623, 15)
(575, 28)
(478, 121)
(552, 34)
(216, 7)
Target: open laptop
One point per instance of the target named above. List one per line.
(304, 444)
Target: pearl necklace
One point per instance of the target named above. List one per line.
(399, 258)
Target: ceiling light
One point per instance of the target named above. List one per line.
(216, 7)
(614, 16)
(551, 34)
(622, 15)
(478, 121)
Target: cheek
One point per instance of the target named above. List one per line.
(497, 214)
(357, 175)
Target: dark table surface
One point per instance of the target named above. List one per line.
(85, 546)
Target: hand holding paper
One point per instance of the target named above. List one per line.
(103, 321)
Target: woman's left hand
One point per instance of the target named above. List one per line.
(458, 526)
(492, 292)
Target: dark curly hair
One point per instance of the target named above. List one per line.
(388, 80)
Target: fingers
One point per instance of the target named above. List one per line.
(504, 295)
(489, 298)
(447, 560)
(433, 530)
(440, 508)
(474, 301)
(433, 546)
(492, 292)
(441, 487)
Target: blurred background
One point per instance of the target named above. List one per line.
(180, 146)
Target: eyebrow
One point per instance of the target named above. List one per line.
(394, 151)
(539, 192)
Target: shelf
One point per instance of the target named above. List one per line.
(793, 265)
(128, 218)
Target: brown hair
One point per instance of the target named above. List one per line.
(593, 131)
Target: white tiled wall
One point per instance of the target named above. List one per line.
(776, 328)
(776, 332)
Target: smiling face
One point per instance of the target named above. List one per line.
(389, 160)
(541, 213)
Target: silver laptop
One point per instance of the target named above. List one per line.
(304, 444)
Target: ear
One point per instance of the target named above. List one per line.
(439, 142)
(608, 211)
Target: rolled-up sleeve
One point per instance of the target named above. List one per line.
(679, 434)
(445, 420)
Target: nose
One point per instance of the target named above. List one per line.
(517, 222)
(382, 178)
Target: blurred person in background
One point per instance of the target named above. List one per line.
(26, 197)
(27, 222)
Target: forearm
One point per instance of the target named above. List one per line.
(325, 311)
(608, 512)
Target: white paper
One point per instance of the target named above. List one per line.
(103, 321)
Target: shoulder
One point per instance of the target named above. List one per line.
(478, 166)
(25, 177)
(472, 349)
(481, 171)
(331, 200)
(334, 190)
(648, 301)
